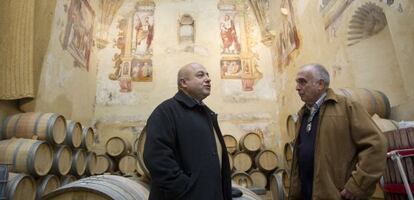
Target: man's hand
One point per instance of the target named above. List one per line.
(345, 194)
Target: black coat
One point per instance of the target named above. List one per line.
(180, 152)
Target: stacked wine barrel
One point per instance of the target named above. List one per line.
(251, 162)
(43, 151)
(118, 158)
(102, 187)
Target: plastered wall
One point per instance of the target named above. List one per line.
(75, 76)
(378, 62)
(239, 111)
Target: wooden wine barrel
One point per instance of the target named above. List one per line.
(266, 160)
(250, 142)
(64, 180)
(288, 152)
(102, 187)
(290, 125)
(31, 125)
(247, 194)
(20, 187)
(384, 124)
(27, 156)
(104, 163)
(73, 134)
(87, 138)
(242, 161)
(91, 161)
(117, 147)
(242, 178)
(372, 100)
(259, 178)
(279, 184)
(231, 143)
(78, 162)
(46, 184)
(127, 165)
(62, 160)
(140, 153)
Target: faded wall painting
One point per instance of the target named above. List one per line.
(134, 40)
(141, 70)
(78, 36)
(288, 39)
(238, 61)
(231, 68)
(229, 33)
(143, 32)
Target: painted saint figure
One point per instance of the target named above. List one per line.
(144, 34)
(229, 36)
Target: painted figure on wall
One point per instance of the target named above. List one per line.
(134, 39)
(141, 70)
(79, 32)
(228, 34)
(288, 36)
(125, 79)
(231, 68)
(144, 30)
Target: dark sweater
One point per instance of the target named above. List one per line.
(306, 149)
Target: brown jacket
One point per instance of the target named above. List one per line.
(350, 151)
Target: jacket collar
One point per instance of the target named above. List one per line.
(188, 101)
(330, 96)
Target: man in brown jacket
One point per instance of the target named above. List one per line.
(339, 152)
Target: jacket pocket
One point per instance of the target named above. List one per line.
(186, 194)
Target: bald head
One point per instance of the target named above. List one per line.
(194, 80)
(184, 72)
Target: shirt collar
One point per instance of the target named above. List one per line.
(318, 103)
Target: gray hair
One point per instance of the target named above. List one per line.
(320, 73)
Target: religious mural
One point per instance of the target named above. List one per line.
(78, 35)
(238, 61)
(231, 68)
(135, 34)
(229, 34)
(143, 32)
(288, 39)
(141, 70)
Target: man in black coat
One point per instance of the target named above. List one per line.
(184, 149)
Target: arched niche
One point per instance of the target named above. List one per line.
(186, 29)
